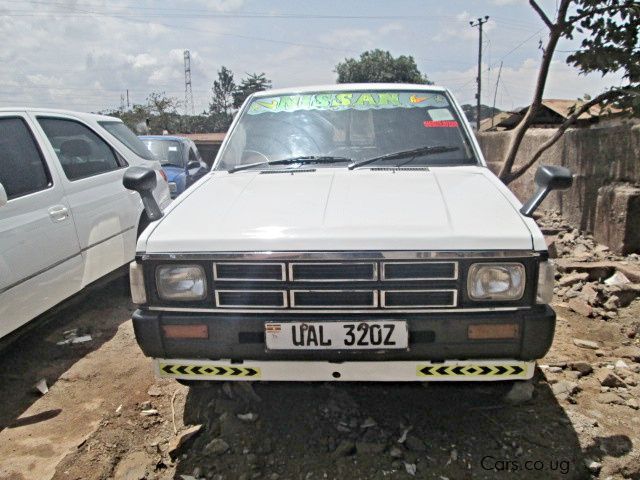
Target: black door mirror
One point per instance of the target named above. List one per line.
(548, 177)
(143, 180)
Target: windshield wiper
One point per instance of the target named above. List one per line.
(404, 154)
(290, 161)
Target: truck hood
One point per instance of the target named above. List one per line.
(443, 208)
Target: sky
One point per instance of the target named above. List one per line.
(85, 54)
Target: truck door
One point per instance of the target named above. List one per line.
(40, 260)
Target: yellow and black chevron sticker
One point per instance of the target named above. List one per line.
(209, 370)
(471, 370)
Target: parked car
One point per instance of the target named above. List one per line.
(65, 218)
(179, 158)
(349, 232)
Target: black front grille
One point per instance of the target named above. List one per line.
(251, 298)
(333, 298)
(419, 270)
(248, 271)
(332, 272)
(418, 298)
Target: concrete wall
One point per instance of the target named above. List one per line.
(598, 156)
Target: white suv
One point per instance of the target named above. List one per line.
(65, 218)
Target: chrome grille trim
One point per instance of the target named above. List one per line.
(349, 311)
(374, 303)
(283, 275)
(452, 305)
(283, 292)
(384, 277)
(336, 256)
(374, 269)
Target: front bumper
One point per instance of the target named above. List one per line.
(312, 371)
(435, 337)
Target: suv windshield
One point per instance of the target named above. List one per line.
(355, 125)
(128, 138)
(168, 152)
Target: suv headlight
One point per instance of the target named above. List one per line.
(496, 281)
(181, 282)
(546, 279)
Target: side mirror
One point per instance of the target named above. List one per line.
(548, 177)
(143, 180)
(3, 196)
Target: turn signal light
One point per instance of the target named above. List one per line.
(185, 331)
(495, 331)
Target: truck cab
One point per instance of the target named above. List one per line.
(349, 232)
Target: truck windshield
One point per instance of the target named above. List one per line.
(356, 125)
(168, 152)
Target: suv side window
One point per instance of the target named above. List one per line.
(81, 152)
(22, 168)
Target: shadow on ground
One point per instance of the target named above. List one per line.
(351, 430)
(33, 353)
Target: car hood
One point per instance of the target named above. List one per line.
(444, 208)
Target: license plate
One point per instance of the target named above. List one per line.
(380, 335)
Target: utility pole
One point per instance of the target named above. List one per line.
(128, 104)
(188, 93)
(495, 94)
(478, 23)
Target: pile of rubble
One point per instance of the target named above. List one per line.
(590, 279)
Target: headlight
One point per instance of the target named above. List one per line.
(181, 282)
(546, 278)
(496, 281)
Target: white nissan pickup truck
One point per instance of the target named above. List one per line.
(345, 232)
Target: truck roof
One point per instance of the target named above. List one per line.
(347, 87)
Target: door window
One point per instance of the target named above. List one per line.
(22, 168)
(192, 156)
(81, 152)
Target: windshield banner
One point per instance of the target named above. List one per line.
(347, 101)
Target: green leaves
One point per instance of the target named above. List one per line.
(380, 66)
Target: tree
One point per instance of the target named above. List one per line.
(254, 82)
(223, 88)
(610, 44)
(380, 66)
(163, 112)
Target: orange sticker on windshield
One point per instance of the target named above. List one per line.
(440, 124)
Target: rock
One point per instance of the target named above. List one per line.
(154, 391)
(590, 294)
(583, 368)
(631, 352)
(633, 403)
(248, 417)
(396, 452)
(415, 444)
(573, 278)
(411, 468)
(176, 443)
(612, 303)
(520, 392)
(145, 405)
(564, 389)
(217, 446)
(152, 412)
(593, 466)
(345, 448)
(618, 279)
(580, 306)
(595, 270)
(132, 467)
(609, 379)
(368, 423)
(586, 344)
(621, 364)
(600, 353)
(609, 398)
(368, 448)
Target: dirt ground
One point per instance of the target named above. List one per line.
(107, 416)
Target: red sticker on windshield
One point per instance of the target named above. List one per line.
(440, 124)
